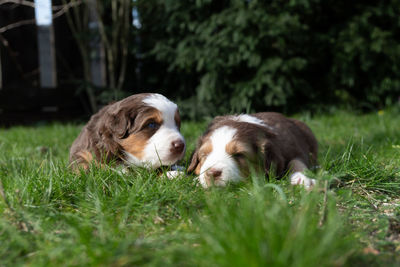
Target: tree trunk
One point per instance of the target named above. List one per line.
(47, 59)
(97, 56)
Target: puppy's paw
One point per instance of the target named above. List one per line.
(298, 178)
(174, 174)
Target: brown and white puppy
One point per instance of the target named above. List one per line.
(232, 146)
(141, 130)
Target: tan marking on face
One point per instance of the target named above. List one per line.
(243, 154)
(136, 142)
(204, 151)
(236, 147)
(177, 119)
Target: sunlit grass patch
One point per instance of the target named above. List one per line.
(53, 216)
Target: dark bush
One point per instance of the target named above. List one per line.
(242, 56)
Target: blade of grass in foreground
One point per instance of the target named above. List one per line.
(263, 228)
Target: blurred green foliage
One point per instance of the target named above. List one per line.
(242, 56)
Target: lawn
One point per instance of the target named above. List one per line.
(51, 216)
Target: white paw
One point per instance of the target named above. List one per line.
(174, 174)
(120, 170)
(298, 178)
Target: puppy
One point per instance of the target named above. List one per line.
(140, 130)
(232, 146)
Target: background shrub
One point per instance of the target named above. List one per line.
(244, 56)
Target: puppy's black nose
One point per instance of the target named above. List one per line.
(215, 173)
(177, 146)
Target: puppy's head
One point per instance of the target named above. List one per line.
(143, 130)
(229, 150)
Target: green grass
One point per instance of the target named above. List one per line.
(51, 216)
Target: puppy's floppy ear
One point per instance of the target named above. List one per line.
(194, 161)
(113, 124)
(119, 120)
(194, 158)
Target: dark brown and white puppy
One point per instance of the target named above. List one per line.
(140, 130)
(234, 145)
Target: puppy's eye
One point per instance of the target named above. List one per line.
(239, 156)
(152, 125)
